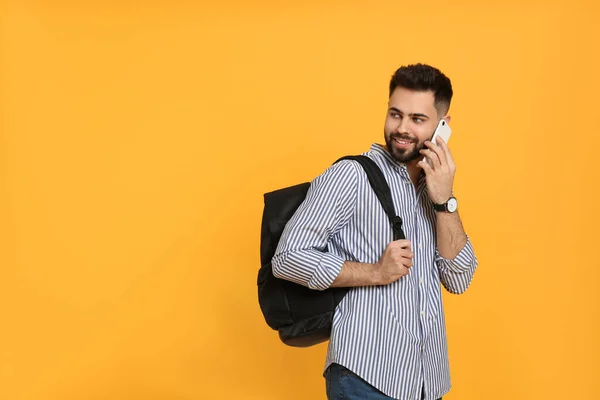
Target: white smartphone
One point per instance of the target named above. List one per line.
(443, 130)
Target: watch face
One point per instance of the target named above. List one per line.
(452, 204)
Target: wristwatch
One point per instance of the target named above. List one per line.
(450, 206)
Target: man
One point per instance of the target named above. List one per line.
(388, 338)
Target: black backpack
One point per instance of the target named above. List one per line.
(302, 316)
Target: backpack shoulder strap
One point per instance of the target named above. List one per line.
(382, 190)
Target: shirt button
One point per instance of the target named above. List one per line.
(423, 312)
(420, 246)
(421, 281)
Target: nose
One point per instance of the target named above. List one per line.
(403, 126)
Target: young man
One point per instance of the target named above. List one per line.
(388, 338)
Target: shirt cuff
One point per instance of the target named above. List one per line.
(328, 269)
(463, 260)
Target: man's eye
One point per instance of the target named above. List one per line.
(395, 115)
(417, 120)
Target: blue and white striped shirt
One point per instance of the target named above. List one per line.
(392, 336)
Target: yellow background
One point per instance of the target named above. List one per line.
(138, 138)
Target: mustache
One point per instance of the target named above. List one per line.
(403, 137)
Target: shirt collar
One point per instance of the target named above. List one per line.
(382, 151)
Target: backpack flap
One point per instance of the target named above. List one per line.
(280, 206)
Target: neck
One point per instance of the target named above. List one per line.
(413, 171)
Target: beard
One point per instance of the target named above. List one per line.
(403, 155)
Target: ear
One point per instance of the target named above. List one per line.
(447, 118)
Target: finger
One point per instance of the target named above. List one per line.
(425, 167)
(406, 262)
(432, 156)
(401, 255)
(448, 153)
(401, 243)
(439, 150)
(406, 254)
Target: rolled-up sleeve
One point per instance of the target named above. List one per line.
(301, 254)
(456, 274)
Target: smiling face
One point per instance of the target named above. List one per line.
(411, 120)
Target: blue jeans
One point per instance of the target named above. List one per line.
(343, 384)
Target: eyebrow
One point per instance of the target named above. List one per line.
(410, 115)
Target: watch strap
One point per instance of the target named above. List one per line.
(440, 207)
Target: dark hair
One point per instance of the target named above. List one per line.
(422, 77)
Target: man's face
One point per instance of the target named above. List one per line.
(410, 121)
